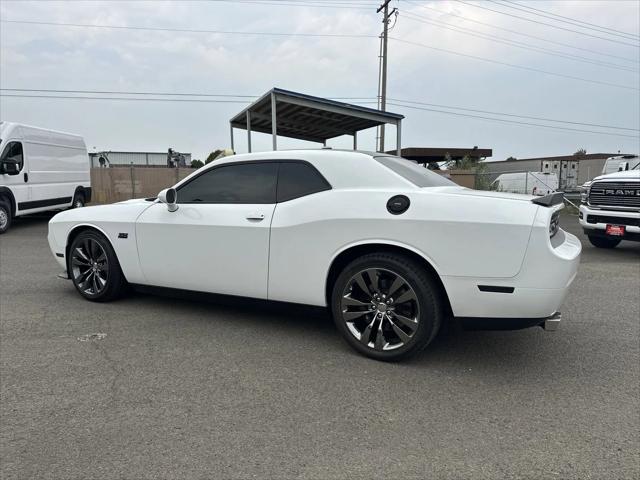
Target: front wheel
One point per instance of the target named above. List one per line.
(386, 306)
(5, 216)
(602, 242)
(94, 267)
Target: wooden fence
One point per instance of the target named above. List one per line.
(123, 183)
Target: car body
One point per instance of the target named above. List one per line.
(610, 207)
(287, 225)
(40, 170)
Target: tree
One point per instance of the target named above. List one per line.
(580, 151)
(511, 158)
(213, 156)
(196, 163)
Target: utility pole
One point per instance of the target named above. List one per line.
(382, 86)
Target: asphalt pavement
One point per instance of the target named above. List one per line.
(158, 387)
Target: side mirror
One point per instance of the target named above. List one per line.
(10, 168)
(169, 196)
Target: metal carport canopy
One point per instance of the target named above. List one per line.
(315, 119)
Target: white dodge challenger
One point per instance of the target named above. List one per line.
(393, 249)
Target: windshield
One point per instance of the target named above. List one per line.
(419, 176)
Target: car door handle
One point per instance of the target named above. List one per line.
(255, 216)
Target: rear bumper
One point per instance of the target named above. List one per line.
(535, 294)
(550, 323)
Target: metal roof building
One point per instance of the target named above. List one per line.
(119, 159)
(305, 117)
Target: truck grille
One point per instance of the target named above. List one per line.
(615, 194)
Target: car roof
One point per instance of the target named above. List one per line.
(347, 169)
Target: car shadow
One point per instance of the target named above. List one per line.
(453, 347)
(32, 220)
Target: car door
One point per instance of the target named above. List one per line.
(218, 238)
(12, 151)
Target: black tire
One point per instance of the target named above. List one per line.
(5, 216)
(602, 242)
(94, 268)
(426, 306)
(78, 200)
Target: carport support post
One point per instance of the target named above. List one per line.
(355, 140)
(399, 138)
(231, 128)
(249, 130)
(274, 129)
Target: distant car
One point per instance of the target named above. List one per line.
(393, 249)
(40, 170)
(531, 183)
(610, 207)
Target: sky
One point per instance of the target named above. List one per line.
(563, 61)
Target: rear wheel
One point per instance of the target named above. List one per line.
(602, 242)
(386, 306)
(94, 268)
(78, 200)
(5, 216)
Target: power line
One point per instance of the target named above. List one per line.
(189, 30)
(148, 99)
(569, 20)
(513, 65)
(515, 116)
(325, 35)
(367, 100)
(515, 43)
(291, 3)
(120, 92)
(513, 122)
(490, 25)
(133, 99)
(188, 100)
(547, 24)
(182, 94)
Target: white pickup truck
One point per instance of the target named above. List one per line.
(610, 206)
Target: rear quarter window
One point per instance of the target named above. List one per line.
(419, 176)
(297, 179)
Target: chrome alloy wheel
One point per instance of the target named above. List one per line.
(90, 267)
(4, 218)
(380, 309)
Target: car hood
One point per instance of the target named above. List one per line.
(134, 201)
(626, 175)
(122, 212)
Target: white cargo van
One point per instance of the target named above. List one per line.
(530, 183)
(620, 163)
(40, 170)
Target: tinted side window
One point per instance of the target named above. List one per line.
(243, 183)
(298, 179)
(13, 153)
(419, 176)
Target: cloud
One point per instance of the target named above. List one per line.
(34, 56)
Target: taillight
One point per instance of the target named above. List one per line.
(554, 224)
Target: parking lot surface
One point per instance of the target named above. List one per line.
(173, 388)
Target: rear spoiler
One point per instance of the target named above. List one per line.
(550, 200)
